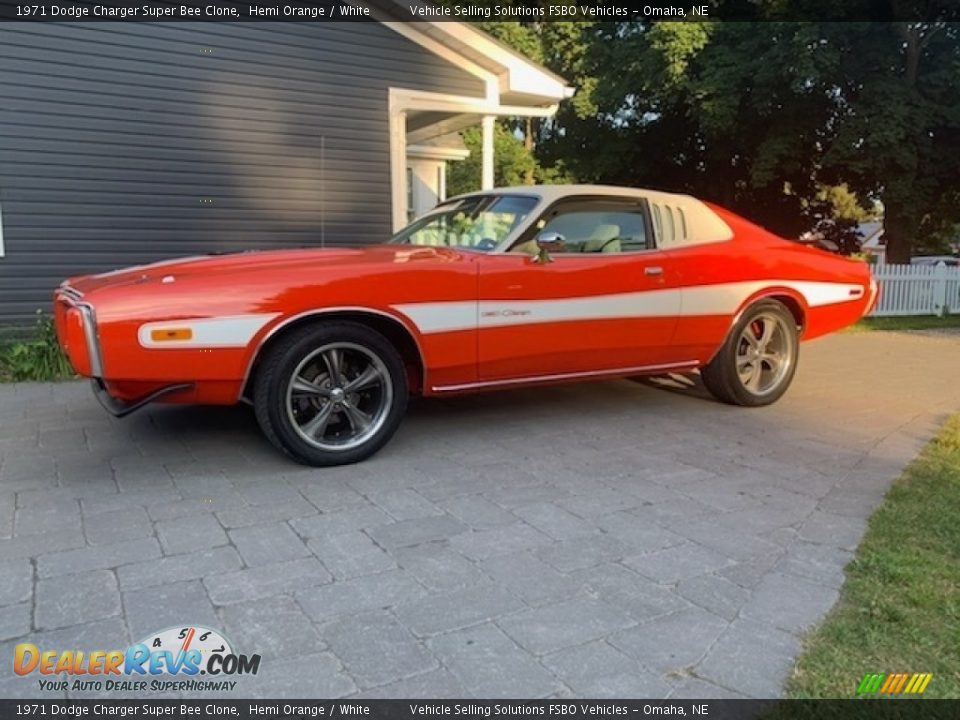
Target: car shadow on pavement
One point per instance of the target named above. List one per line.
(209, 432)
(688, 385)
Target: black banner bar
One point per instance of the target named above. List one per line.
(561, 709)
(476, 10)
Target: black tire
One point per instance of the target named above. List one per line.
(721, 376)
(340, 435)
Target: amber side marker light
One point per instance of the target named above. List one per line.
(169, 334)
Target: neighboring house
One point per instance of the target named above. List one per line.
(871, 240)
(124, 143)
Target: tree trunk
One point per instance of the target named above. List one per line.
(898, 235)
(910, 35)
(528, 144)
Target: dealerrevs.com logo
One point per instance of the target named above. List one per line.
(170, 660)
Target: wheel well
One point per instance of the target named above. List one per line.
(791, 303)
(793, 306)
(393, 330)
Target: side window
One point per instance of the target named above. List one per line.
(598, 230)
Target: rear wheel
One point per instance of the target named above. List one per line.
(756, 363)
(331, 394)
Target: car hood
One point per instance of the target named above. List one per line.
(255, 261)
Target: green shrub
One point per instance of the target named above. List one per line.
(38, 358)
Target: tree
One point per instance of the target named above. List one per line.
(897, 127)
(512, 161)
(554, 44)
(763, 116)
(760, 116)
(719, 110)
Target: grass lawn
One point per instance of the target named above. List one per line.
(899, 610)
(912, 322)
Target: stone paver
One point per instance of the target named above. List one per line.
(376, 649)
(459, 609)
(368, 592)
(692, 633)
(157, 608)
(76, 599)
(489, 664)
(270, 627)
(564, 624)
(190, 533)
(597, 669)
(606, 540)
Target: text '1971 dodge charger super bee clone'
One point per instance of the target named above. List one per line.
(497, 289)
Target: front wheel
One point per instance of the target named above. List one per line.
(331, 394)
(757, 361)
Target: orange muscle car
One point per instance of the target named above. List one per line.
(496, 289)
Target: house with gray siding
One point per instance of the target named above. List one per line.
(126, 143)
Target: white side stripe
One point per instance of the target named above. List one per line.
(221, 332)
(437, 317)
(724, 299)
(719, 299)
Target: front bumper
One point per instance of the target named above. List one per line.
(76, 325)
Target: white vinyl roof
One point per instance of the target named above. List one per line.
(702, 224)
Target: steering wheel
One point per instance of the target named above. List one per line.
(608, 242)
(602, 247)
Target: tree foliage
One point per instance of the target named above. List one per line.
(763, 116)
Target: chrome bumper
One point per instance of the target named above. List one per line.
(92, 338)
(74, 298)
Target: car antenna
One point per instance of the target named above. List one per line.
(323, 196)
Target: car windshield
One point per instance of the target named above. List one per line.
(477, 222)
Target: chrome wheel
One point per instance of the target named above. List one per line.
(765, 353)
(339, 396)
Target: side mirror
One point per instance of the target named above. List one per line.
(547, 243)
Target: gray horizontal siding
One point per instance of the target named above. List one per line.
(111, 135)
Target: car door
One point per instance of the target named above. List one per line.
(606, 300)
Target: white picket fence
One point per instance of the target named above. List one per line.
(917, 290)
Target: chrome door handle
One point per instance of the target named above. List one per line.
(653, 270)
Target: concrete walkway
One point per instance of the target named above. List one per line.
(607, 539)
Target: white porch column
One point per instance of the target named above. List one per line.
(398, 168)
(486, 163)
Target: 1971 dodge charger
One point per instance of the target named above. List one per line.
(506, 288)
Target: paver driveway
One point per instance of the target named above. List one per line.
(609, 539)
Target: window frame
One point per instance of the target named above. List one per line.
(589, 202)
